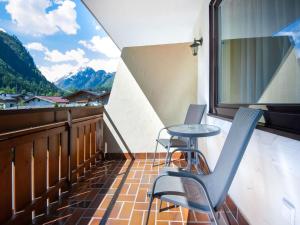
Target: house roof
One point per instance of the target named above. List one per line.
(95, 94)
(7, 98)
(52, 99)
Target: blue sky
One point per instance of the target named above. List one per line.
(293, 31)
(61, 35)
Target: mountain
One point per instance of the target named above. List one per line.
(18, 72)
(88, 79)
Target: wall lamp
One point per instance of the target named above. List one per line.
(195, 45)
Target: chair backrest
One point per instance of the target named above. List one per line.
(233, 150)
(194, 114)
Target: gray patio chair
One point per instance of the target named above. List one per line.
(206, 193)
(193, 116)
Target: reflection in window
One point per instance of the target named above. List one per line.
(259, 51)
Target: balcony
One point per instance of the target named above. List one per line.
(92, 165)
(54, 172)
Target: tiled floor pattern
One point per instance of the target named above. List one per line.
(115, 192)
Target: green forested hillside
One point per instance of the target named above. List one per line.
(18, 72)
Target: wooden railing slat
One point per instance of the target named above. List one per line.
(53, 164)
(23, 159)
(73, 153)
(80, 148)
(5, 184)
(40, 171)
(93, 139)
(87, 136)
(64, 157)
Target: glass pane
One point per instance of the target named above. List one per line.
(259, 51)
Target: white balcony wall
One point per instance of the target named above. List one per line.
(134, 123)
(167, 75)
(269, 171)
(140, 104)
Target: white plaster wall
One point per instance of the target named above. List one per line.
(201, 29)
(270, 168)
(167, 74)
(268, 173)
(132, 114)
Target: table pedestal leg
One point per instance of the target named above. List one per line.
(197, 161)
(189, 156)
(193, 158)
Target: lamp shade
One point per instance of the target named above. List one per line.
(195, 46)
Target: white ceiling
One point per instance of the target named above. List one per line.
(146, 22)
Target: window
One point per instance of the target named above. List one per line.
(255, 59)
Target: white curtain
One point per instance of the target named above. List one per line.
(250, 57)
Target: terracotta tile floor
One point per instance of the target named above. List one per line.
(115, 192)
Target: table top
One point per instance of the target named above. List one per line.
(193, 130)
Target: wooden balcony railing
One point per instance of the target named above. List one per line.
(43, 152)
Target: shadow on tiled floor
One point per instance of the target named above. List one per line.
(116, 193)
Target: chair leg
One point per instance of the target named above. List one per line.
(149, 209)
(160, 204)
(155, 151)
(167, 161)
(214, 217)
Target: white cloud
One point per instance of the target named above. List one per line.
(55, 56)
(102, 45)
(98, 28)
(1, 29)
(58, 1)
(54, 72)
(109, 65)
(34, 17)
(36, 46)
(76, 55)
(65, 17)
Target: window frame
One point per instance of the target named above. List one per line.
(281, 119)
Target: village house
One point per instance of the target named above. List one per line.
(45, 102)
(8, 101)
(83, 98)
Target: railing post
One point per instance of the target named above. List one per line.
(99, 139)
(102, 137)
(70, 145)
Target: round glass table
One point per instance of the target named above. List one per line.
(192, 132)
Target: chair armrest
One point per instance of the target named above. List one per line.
(188, 150)
(165, 128)
(160, 132)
